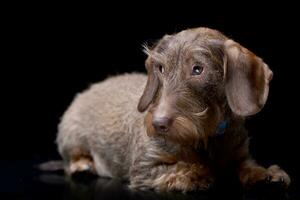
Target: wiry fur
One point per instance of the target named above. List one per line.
(104, 132)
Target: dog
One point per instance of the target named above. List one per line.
(178, 128)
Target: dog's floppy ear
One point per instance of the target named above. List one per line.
(247, 79)
(153, 81)
(149, 91)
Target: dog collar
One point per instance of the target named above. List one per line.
(221, 128)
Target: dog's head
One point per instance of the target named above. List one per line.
(193, 76)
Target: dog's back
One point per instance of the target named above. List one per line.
(100, 124)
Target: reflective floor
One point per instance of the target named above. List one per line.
(20, 180)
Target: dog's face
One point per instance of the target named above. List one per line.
(193, 77)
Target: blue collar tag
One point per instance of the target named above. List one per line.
(221, 128)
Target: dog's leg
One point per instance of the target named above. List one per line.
(250, 173)
(176, 177)
(184, 177)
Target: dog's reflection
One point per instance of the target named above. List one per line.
(94, 188)
(101, 188)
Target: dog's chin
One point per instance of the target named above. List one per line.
(183, 131)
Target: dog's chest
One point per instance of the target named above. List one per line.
(222, 150)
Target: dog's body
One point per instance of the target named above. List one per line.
(104, 123)
(200, 88)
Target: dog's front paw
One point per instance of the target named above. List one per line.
(275, 174)
(259, 176)
(183, 182)
(252, 174)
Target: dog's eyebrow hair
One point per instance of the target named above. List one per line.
(153, 54)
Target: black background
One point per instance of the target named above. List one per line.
(51, 52)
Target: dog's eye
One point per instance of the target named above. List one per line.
(197, 70)
(161, 69)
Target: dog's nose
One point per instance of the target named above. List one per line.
(161, 124)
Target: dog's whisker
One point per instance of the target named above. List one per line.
(202, 113)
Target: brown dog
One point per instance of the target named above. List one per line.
(200, 87)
